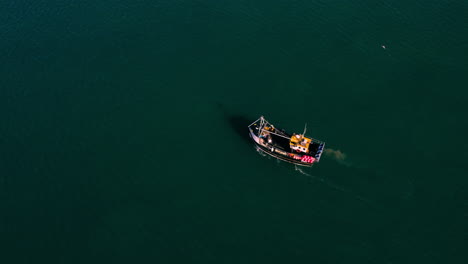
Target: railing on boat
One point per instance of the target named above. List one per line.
(264, 122)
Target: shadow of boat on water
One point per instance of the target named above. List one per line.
(238, 123)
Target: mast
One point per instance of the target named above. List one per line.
(305, 129)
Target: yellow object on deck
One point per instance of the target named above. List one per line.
(300, 142)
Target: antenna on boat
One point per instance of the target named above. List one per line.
(305, 129)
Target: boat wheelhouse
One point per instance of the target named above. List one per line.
(293, 148)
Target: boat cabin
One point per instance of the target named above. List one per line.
(300, 143)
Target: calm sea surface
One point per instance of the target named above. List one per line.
(123, 131)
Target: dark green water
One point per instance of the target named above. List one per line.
(122, 137)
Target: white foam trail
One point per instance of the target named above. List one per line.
(260, 151)
(301, 171)
(336, 187)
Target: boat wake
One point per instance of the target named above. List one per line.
(260, 151)
(335, 187)
(301, 171)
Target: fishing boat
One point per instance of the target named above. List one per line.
(293, 148)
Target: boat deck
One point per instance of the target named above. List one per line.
(280, 142)
(283, 143)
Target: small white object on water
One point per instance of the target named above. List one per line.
(383, 47)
